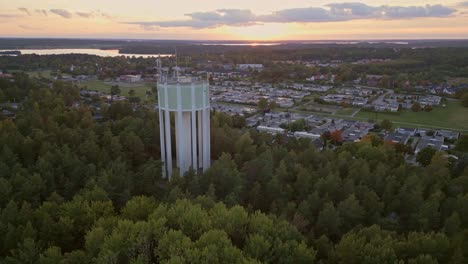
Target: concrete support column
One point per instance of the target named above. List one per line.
(185, 143)
(162, 139)
(179, 132)
(177, 138)
(206, 127)
(167, 127)
(200, 140)
(208, 137)
(194, 130)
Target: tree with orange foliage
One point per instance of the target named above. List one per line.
(336, 136)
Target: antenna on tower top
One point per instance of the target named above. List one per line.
(176, 64)
(158, 66)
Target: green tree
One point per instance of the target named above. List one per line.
(262, 104)
(462, 143)
(368, 245)
(452, 224)
(351, 212)
(115, 90)
(272, 105)
(27, 252)
(225, 178)
(464, 100)
(329, 221)
(52, 255)
(416, 107)
(424, 156)
(386, 124)
(298, 125)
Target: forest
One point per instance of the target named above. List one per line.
(74, 190)
(421, 66)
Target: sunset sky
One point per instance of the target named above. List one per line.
(235, 19)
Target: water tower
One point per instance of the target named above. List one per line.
(186, 100)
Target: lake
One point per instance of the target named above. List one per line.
(97, 52)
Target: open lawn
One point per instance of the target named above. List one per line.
(32, 74)
(310, 97)
(45, 73)
(457, 80)
(451, 116)
(346, 111)
(105, 87)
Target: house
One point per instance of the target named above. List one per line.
(272, 130)
(406, 131)
(430, 100)
(353, 134)
(421, 132)
(373, 80)
(393, 107)
(435, 142)
(397, 138)
(130, 78)
(302, 134)
(448, 134)
(245, 67)
(8, 114)
(449, 91)
(6, 76)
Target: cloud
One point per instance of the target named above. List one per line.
(416, 11)
(41, 12)
(85, 14)
(62, 12)
(353, 11)
(28, 27)
(25, 10)
(8, 15)
(220, 17)
(463, 4)
(329, 13)
(309, 14)
(105, 15)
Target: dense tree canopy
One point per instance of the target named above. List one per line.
(74, 190)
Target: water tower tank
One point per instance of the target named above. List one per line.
(187, 100)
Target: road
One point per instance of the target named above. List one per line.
(381, 98)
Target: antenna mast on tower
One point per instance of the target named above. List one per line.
(176, 64)
(158, 65)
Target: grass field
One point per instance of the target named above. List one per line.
(457, 80)
(32, 74)
(346, 111)
(44, 73)
(105, 87)
(452, 116)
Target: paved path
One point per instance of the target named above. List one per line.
(355, 112)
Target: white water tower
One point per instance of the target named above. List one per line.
(187, 100)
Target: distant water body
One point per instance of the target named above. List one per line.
(97, 52)
(316, 42)
(240, 44)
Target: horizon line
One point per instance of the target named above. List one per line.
(239, 40)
